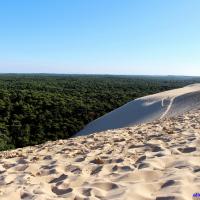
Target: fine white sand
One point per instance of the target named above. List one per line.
(155, 161)
(147, 109)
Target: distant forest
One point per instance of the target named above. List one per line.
(35, 108)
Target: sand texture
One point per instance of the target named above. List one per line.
(147, 109)
(153, 161)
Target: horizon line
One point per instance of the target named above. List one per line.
(100, 74)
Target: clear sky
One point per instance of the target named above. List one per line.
(159, 37)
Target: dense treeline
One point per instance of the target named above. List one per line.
(37, 108)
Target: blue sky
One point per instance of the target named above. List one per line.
(100, 36)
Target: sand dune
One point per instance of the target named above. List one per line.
(154, 161)
(147, 109)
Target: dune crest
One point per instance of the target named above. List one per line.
(147, 109)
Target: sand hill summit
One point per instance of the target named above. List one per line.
(147, 109)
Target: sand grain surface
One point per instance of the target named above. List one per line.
(158, 160)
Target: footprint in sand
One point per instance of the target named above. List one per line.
(59, 191)
(140, 159)
(168, 183)
(60, 178)
(122, 168)
(187, 149)
(166, 198)
(96, 170)
(143, 165)
(48, 166)
(73, 169)
(45, 172)
(48, 157)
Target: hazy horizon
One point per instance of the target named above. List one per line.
(109, 74)
(100, 37)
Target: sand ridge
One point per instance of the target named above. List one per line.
(147, 109)
(153, 161)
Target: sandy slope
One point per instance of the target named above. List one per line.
(147, 109)
(154, 161)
